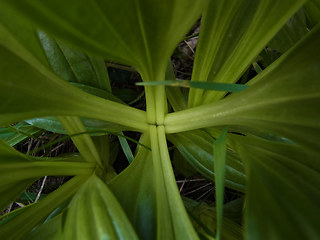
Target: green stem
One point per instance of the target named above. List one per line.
(151, 105)
(155, 98)
(160, 96)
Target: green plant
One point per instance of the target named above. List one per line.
(265, 138)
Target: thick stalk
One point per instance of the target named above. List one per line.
(156, 99)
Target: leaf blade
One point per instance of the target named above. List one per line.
(219, 149)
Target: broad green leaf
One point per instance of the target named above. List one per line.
(282, 200)
(181, 165)
(87, 73)
(25, 58)
(18, 170)
(20, 226)
(44, 94)
(220, 152)
(8, 216)
(283, 100)
(127, 95)
(290, 33)
(74, 66)
(51, 228)
(142, 34)
(15, 134)
(53, 125)
(196, 148)
(134, 189)
(232, 34)
(138, 33)
(97, 92)
(11, 191)
(20, 35)
(94, 213)
(312, 10)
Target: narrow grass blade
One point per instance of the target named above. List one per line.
(126, 148)
(219, 150)
(202, 85)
